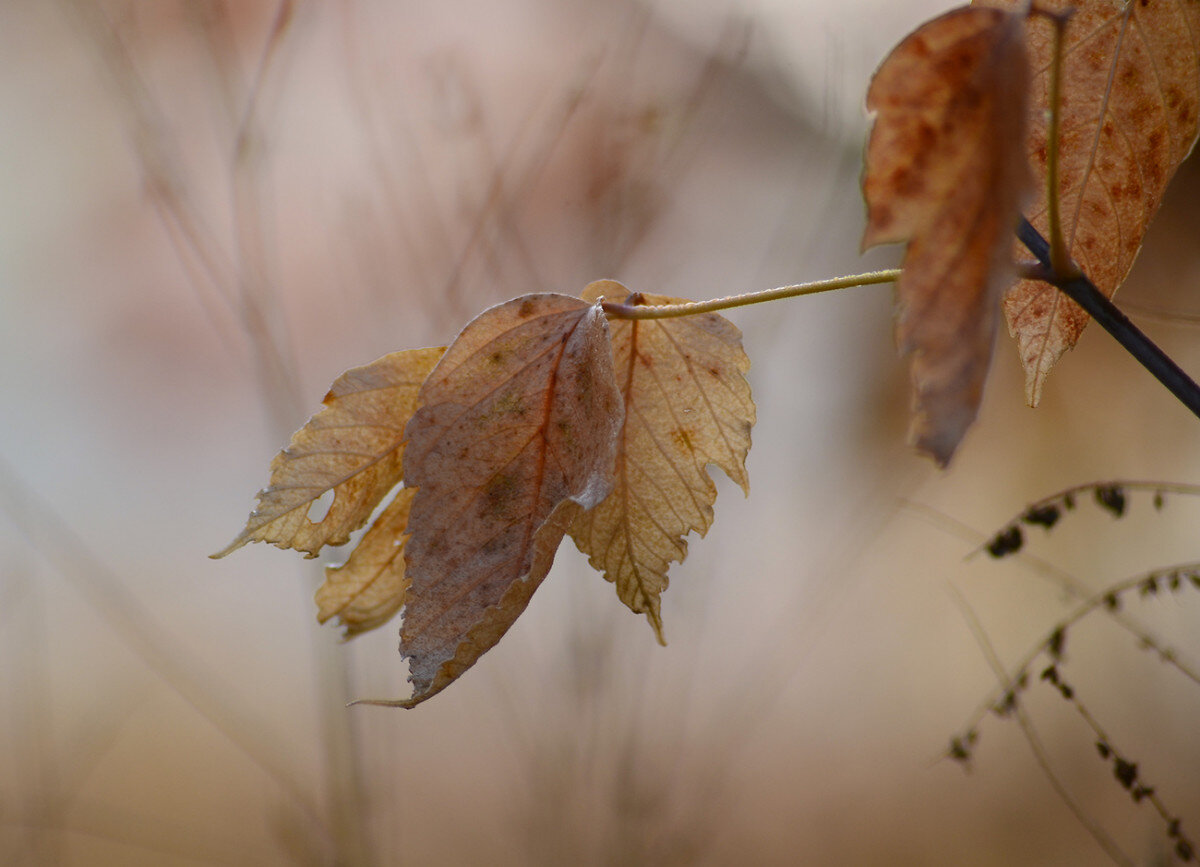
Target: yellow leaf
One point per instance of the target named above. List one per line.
(946, 172)
(1130, 101)
(516, 425)
(365, 591)
(687, 405)
(353, 447)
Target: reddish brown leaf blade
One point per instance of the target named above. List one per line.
(945, 172)
(687, 405)
(520, 418)
(353, 447)
(488, 626)
(369, 588)
(1129, 108)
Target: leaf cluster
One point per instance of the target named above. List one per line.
(596, 416)
(541, 420)
(1082, 112)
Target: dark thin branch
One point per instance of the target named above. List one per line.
(1083, 292)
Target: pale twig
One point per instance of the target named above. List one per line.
(626, 310)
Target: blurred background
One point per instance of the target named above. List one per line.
(208, 210)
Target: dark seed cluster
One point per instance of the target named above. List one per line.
(1110, 496)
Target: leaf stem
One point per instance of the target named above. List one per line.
(1060, 258)
(626, 310)
(1083, 292)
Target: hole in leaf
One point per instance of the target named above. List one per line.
(319, 507)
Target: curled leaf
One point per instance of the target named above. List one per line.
(687, 405)
(516, 430)
(369, 588)
(945, 171)
(353, 447)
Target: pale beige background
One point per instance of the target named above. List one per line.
(403, 166)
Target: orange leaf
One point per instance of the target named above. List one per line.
(945, 172)
(353, 447)
(516, 430)
(687, 405)
(1129, 108)
(365, 591)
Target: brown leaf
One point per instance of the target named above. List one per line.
(365, 591)
(1130, 102)
(687, 405)
(517, 425)
(353, 447)
(945, 172)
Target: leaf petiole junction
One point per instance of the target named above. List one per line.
(1083, 292)
(626, 310)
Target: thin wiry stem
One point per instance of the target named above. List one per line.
(1065, 581)
(622, 310)
(1160, 315)
(1067, 494)
(1101, 600)
(1111, 849)
(1125, 770)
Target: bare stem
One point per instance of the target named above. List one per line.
(635, 310)
(1060, 257)
(1040, 754)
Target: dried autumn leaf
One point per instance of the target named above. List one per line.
(687, 405)
(517, 429)
(353, 447)
(945, 171)
(369, 588)
(1129, 108)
